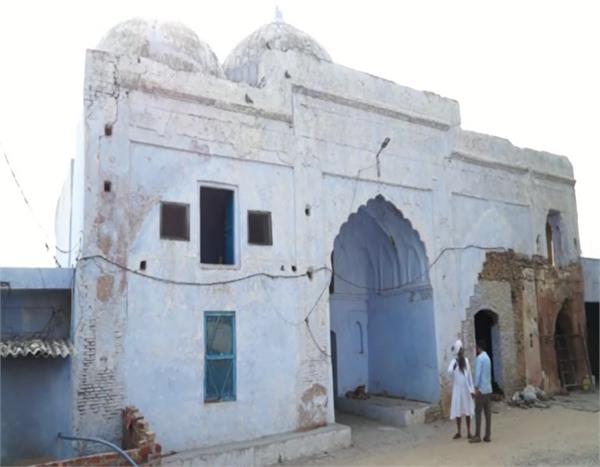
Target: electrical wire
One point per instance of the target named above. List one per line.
(199, 284)
(308, 273)
(40, 227)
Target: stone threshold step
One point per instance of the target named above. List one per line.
(389, 411)
(268, 449)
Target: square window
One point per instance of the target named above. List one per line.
(219, 360)
(259, 228)
(175, 221)
(217, 226)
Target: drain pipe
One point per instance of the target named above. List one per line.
(114, 447)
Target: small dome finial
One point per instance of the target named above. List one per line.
(278, 15)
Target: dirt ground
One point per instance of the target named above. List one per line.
(567, 433)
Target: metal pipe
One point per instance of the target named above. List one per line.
(114, 447)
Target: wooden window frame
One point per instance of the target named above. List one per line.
(187, 220)
(270, 240)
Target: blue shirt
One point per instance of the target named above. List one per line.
(483, 373)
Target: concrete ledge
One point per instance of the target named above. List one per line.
(390, 411)
(267, 450)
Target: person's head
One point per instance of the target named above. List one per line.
(480, 347)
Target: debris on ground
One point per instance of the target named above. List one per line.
(530, 396)
(359, 393)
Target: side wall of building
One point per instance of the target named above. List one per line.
(36, 392)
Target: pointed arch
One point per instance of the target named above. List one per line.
(379, 246)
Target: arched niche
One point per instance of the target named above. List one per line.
(381, 287)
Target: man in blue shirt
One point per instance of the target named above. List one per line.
(483, 394)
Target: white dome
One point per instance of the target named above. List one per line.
(242, 62)
(169, 43)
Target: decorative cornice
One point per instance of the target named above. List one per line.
(212, 102)
(512, 168)
(375, 181)
(475, 160)
(406, 116)
(493, 200)
(553, 178)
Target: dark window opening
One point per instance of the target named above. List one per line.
(107, 186)
(259, 228)
(174, 221)
(592, 312)
(553, 238)
(549, 243)
(216, 226)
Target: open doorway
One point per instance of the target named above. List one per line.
(381, 309)
(487, 332)
(564, 346)
(592, 310)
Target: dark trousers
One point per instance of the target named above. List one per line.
(483, 402)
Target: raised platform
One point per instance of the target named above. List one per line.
(388, 410)
(267, 450)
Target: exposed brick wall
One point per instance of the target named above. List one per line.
(136, 430)
(98, 384)
(551, 287)
(496, 296)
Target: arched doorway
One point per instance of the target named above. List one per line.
(487, 332)
(381, 307)
(564, 347)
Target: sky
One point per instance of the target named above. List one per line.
(528, 71)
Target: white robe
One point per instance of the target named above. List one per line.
(462, 388)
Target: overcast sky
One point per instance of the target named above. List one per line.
(524, 70)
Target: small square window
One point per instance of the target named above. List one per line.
(219, 361)
(175, 221)
(259, 228)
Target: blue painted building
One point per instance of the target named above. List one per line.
(36, 363)
(247, 251)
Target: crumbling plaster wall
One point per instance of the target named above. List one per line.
(538, 291)
(558, 287)
(496, 297)
(306, 139)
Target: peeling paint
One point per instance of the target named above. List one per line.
(104, 287)
(312, 411)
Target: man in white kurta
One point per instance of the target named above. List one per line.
(462, 390)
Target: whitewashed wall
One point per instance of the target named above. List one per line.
(307, 138)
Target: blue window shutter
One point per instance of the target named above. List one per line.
(229, 231)
(220, 357)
